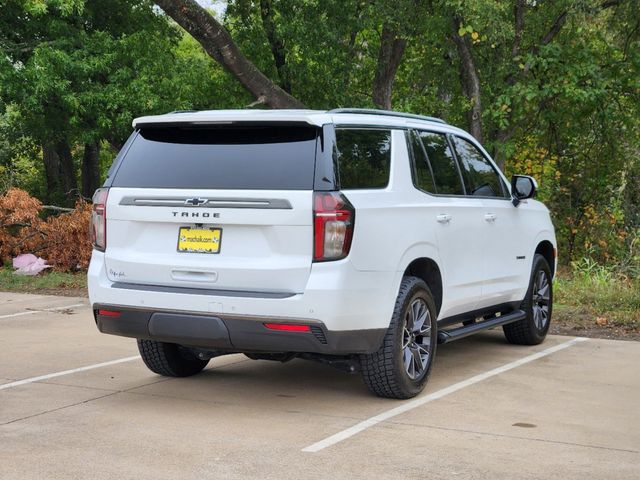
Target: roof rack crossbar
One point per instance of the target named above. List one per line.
(374, 111)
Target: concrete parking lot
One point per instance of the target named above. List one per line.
(78, 404)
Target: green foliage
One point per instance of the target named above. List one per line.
(79, 72)
(17, 165)
(560, 97)
(97, 69)
(596, 295)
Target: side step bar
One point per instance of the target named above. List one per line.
(446, 336)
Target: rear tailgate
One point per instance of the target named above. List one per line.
(250, 189)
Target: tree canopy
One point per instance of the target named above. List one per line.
(552, 88)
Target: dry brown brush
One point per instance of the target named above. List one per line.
(62, 240)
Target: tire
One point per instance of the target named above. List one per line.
(538, 306)
(169, 359)
(388, 372)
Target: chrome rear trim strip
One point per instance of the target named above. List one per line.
(258, 203)
(201, 291)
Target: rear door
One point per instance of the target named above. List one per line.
(456, 220)
(221, 207)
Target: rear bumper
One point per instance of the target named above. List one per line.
(233, 333)
(336, 295)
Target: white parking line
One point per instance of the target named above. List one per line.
(32, 312)
(418, 402)
(66, 372)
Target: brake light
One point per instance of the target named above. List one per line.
(333, 220)
(99, 219)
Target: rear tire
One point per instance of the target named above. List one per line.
(169, 359)
(538, 306)
(401, 366)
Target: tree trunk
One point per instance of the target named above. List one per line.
(218, 43)
(51, 170)
(68, 182)
(389, 58)
(469, 79)
(59, 172)
(518, 25)
(90, 169)
(276, 43)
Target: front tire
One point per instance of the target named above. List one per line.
(538, 306)
(401, 366)
(169, 359)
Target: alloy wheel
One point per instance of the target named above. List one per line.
(416, 339)
(541, 300)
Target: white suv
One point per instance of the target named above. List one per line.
(359, 238)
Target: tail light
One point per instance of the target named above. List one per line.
(99, 219)
(333, 219)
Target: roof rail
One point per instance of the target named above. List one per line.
(182, 111)
(390, 113)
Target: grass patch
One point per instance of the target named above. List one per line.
(47, 282)
(588, 300)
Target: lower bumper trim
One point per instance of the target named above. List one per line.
(219, 332)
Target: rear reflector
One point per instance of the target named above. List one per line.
(108, 313)
(287, 327)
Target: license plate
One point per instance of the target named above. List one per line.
(199, 240)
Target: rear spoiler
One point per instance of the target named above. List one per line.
(227, 117)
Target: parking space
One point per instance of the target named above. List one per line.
(564, 409)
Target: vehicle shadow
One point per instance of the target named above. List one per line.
(239, 380)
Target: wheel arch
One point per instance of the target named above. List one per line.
(548, 251)
(428, 270)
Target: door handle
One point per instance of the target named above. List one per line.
(443, 218)
(490, 217)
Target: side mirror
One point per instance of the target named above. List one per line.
(522, 187)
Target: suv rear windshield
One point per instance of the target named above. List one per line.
(256, 157)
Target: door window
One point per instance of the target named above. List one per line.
(445, 172)
(480, 177)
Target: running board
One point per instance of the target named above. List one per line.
(446, 336)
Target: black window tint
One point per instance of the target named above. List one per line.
(364, 157)
(423, 179)
(261, 158)
(445, 171)
(480, 178)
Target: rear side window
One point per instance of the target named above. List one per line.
(261, 158)
(481, 178)
(422, 174)
(445, 170)
(364, 157)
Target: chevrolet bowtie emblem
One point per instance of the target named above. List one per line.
(195, 201)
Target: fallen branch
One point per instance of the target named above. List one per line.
(58, 209)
